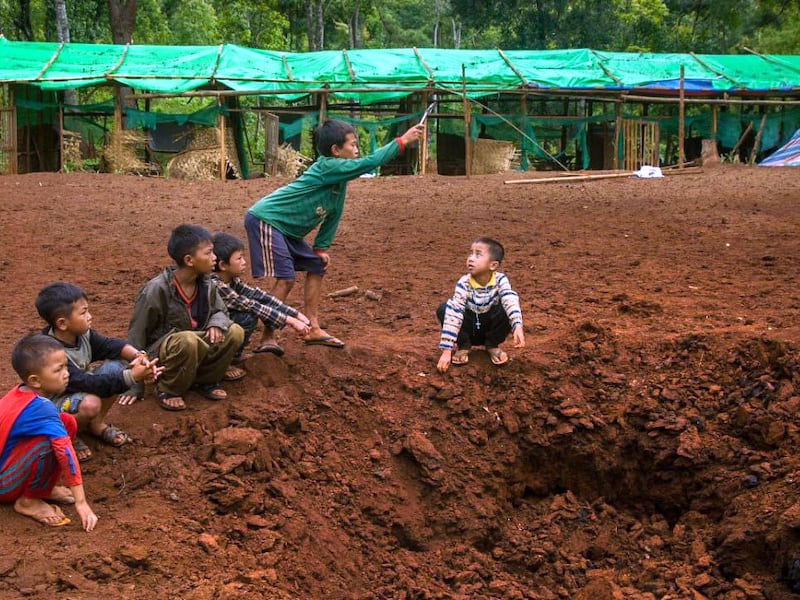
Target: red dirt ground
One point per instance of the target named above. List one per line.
(642, 446)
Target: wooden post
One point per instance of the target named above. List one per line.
(423, 142)
(467, 125)
(323, 107)
(60, 137)
(714, 109)
(523, 159)
(681, 132)
(117, 110)
(221, 121)
(14, 149)
(757, 143)
(617, 134)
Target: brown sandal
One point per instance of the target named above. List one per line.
(461, 357)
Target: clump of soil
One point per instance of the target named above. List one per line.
(642, 446)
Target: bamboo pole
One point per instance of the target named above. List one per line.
(60, 137)
(592, 177)
(221, 121)
(681, 119)
(617, 134)
(741, 139)
(714, 117)
(757, 143)
(423, 143)
(467, 125)
(323, 107)
(725, 101)
(14, 157)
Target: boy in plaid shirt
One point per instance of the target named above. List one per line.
(248, 304)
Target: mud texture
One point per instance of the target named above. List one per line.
(644, 445)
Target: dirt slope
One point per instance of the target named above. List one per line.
(643, 445)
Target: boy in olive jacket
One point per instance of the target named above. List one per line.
(180, 317)
(277, 224)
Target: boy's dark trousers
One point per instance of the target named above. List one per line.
(489, 329)
(246, 321)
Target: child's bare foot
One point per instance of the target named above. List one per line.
(41, 511)
(62, 495)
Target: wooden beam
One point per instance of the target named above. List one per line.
(741, 139)
(50, 62)
(571, 178)
(513, 68)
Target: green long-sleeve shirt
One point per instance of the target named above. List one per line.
(316, 198)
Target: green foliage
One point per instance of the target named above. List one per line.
(151, 25)
(624, 25)
(194, 22)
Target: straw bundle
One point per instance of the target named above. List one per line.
(289, 162)
(200, 160)
(492, 156)
(72, 149)
(120, 154)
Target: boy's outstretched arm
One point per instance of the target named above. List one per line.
(411, 135)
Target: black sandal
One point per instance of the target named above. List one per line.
(211, 391)
(162, 397)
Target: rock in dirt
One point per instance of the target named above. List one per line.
(133, 556)
(426, 456)
(208, 543)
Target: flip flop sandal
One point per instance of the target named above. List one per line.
(211, 391)
(80, 447)
(234, 374)
(110, 436)
(461, 357)
(326, 340)
(162, 397)
(275, 349)
(499, 357)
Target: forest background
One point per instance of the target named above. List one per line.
(703, 26)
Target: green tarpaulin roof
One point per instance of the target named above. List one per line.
(373, 75)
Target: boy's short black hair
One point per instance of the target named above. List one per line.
(225, 244)
(185, 239)
(331, 133)
(496, 250)
(56, 300)
(30, 354)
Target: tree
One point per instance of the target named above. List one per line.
(122, 19)
(62, 22)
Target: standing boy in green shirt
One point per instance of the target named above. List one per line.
(277, 224)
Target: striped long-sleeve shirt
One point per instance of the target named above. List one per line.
(246, 298)
(471, 295)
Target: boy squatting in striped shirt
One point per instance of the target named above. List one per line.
(247, 305)
(483, 310)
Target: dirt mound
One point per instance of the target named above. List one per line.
(642, 446)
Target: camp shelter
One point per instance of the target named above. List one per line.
(576, 108)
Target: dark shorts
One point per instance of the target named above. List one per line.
(273, 254)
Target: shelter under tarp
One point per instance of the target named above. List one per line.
(380, 75)
(787, 155)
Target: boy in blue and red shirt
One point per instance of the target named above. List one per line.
(36, 440)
